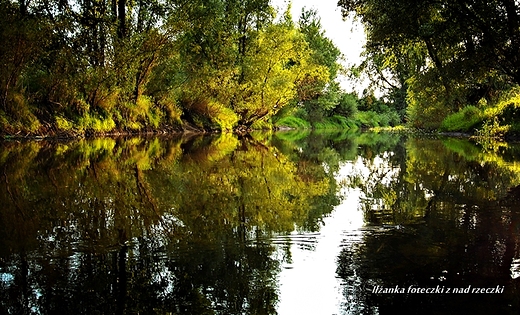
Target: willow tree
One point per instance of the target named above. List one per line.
(278, 64)
(240, 64)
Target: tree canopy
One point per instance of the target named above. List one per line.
(100, 66)
(446, 54)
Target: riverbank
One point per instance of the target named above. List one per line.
(55, 133)
(187, 129)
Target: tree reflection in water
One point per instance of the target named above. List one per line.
(438, 213)
(150, 225)
(190, 225)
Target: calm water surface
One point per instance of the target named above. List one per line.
(284, 223)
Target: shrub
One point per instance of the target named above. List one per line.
(469, 118)
(493, 130)
(293, 122)
(336, 122)
(394, 119)
(154, 116)
(168, 105)
(96, 123)
(21, 113)
(63, 123)
(348, 105)
(224, 117)
(367, 119)
(325, 124)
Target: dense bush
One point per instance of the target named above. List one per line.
(490, 119)
(293, 122)
(466, 120)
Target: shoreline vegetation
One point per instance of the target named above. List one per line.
(151, 67)
(122, 68)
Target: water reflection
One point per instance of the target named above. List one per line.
(139, 225)
(264, 224)
(437, 216)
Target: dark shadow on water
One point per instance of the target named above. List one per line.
(438, 219)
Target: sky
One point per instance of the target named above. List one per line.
(348, 35)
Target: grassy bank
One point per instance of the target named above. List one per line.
(359, 120)
(498, 119)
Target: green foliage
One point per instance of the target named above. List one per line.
(492, 119)
(466, 120)
(24, 38)
(324, 52)
(429, 55)
(345, 123)
(21, 114)
(347, 106)
(492, 130)
(370, 119)
(343, 115)
(293, 122)
(427, 106)
(63, 123)
(337, 122)
(367, 119)
(225, 117)
(506, 107)
(218, 65)
(97, 124)
(318, 97)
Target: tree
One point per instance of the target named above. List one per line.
(277, 66)
(97, 66)
(24, 37)
(455, 51)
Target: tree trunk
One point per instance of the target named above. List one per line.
(121, 16)
(438, 64)
(513, 26)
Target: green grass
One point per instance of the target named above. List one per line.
(95, 123)
(466, 120)
(372, 119)
(368, 119)
(492, 120)
(293, 122)
(336, 122)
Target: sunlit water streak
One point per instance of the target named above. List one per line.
(308, 282)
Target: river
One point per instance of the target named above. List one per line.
(268, 223)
